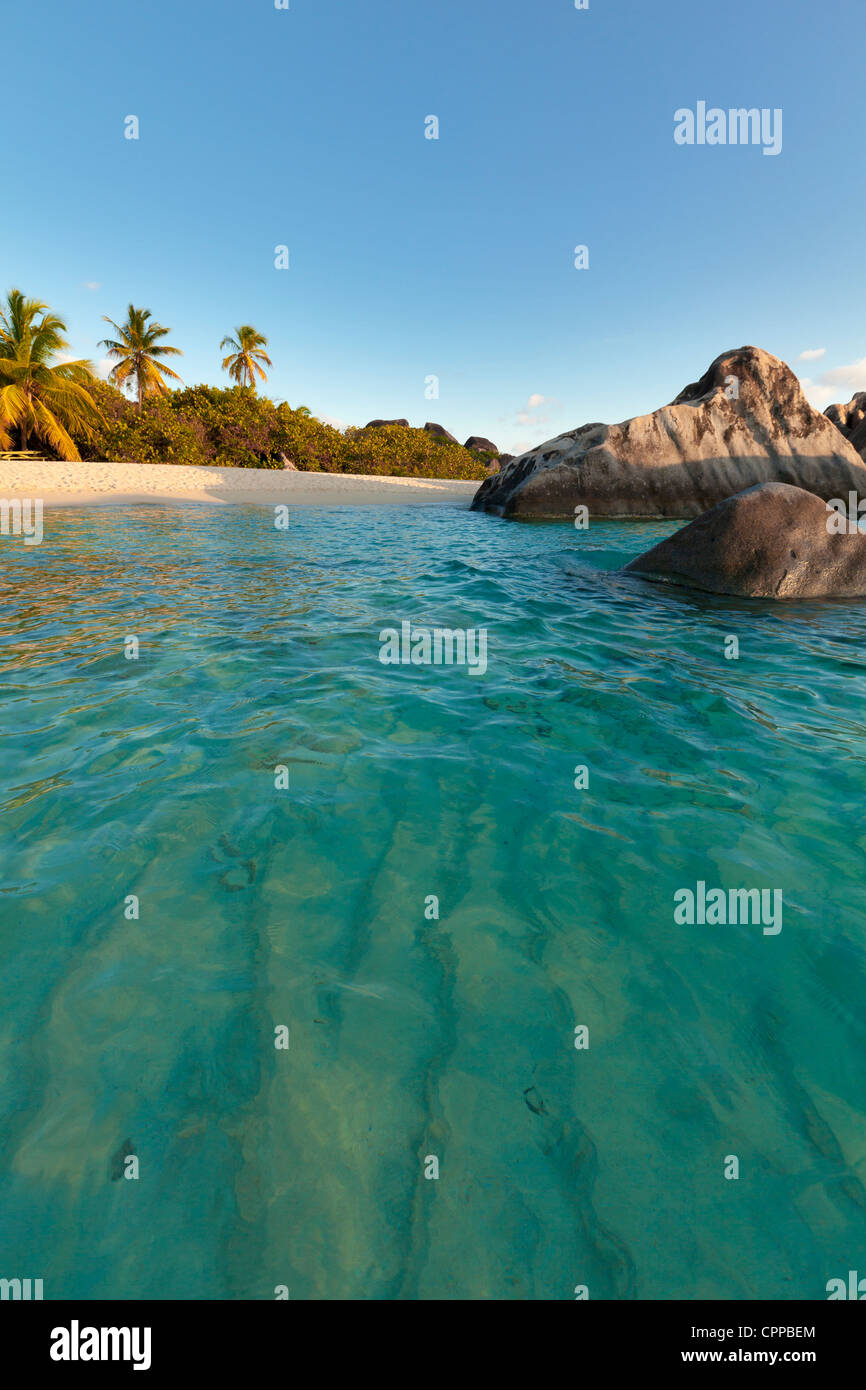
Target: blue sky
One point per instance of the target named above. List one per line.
(452, 258)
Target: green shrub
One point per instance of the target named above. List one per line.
(393, 450)
(235, 427)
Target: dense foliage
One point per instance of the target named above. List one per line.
(41, 400)
(61, 405)
(235, 427)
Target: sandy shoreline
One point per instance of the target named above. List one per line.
(125, 484)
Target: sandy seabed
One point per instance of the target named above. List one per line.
(98, 484)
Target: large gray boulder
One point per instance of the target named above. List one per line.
(745, 422)
(379, 424)
(481, 445)
(771, 541)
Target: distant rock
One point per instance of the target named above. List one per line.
(494, 465)
(440, 432)
(378, 424)
(858, 440)
(745, 422)
(481, 445)
(771, 541)
(848, 417)
(851, 420)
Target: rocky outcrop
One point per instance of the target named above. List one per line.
(440, 432)
(745, 422)
(851, 420)
(847, 417)
(771, 541)
(476, 442)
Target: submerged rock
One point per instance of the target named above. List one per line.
(771, 541)
(117, 1161)
(745, 422)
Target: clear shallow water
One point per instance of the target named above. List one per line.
(412, 1037)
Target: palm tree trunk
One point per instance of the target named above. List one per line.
(24, 428)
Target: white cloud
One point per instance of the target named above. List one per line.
(853, 377)
(528, 414)
(839, 384)
(818, 396)
(532, 415)
(103, 367)
(92, 285)
(812, 355)
(329, 420)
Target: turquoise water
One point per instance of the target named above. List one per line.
(305, 907)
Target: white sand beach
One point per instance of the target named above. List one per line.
(122, 484)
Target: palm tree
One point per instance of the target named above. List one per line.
(247, 351)
(37, 398)
(137, 352)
